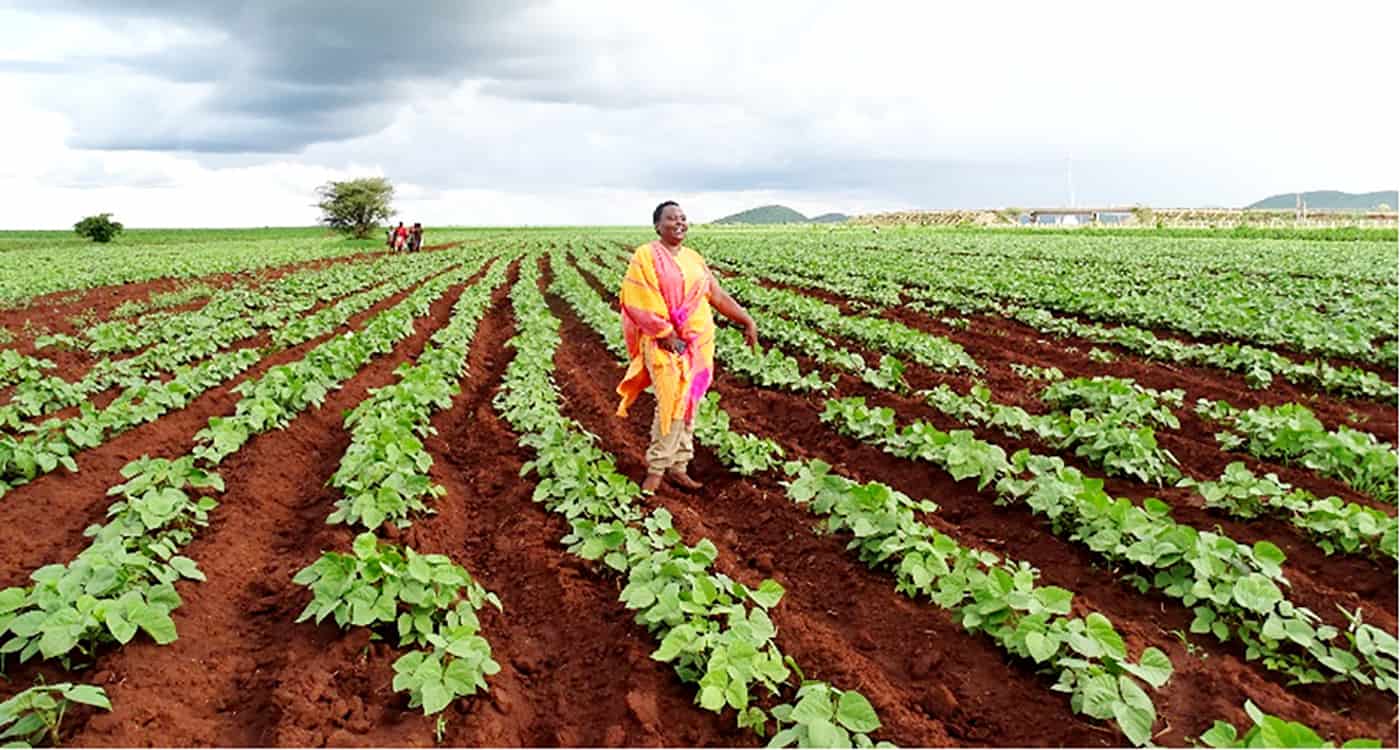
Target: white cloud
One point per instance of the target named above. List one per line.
(578, 113)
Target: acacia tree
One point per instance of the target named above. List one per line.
(356, 206)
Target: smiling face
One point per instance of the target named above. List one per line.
(671, 229)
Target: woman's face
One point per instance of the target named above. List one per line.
(672, 226)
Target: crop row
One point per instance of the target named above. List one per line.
(1290, 433)
(122, 583)
(1332, 524)
(883, 525)
(1150, 538)
(41, 448)
(988, 596)
(428, 601)
(882, 282)
(713, 630)
(1001, 599)
(1121, 440)
(1282, 311)
(1234, 590)
(39, 271)
(202, 333)
(1258, 366)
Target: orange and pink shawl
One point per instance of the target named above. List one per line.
(664, 295)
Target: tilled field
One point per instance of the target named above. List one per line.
(576, 665)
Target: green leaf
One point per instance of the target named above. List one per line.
(1055, 599)
(712, 698)
(1041, 646)
(121, 628)
(418, 568)
(1100, 696)
(767, 594)
(1153, 667)
(1270, 557)
(157, 625)
(91, 695)
(1275, 732)
(1256, 593)
(436, 696)
(785, 738)
(1221, 734)
(822, 733)
(186, 567)
(855, 713)
(674, 642)
(1101, 630)
(1134, 713)
(814, 706)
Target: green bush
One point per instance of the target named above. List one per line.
(99, 228)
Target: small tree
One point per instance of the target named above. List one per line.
(99, 228)
(356, 206)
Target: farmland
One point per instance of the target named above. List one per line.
(1000, 488)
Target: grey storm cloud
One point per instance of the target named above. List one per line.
(281, 76)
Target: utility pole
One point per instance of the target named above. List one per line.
(1069, 179)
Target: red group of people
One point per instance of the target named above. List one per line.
(405, 238)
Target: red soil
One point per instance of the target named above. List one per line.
(244, 673)
(1194, 693)
(50, 313)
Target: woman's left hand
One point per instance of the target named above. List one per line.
(751, 334)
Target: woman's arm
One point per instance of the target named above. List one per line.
(729, 308)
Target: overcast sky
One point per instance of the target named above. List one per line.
(230, 113)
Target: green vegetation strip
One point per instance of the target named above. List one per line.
(1000, 600)
(714, 631)
(123, 582)
(1333, 525)
(235, 315)
(884, 279)
(428, 601)
(1108, 421)
(1292, 434)
(1234, 590)
(1111, 281)
(39, 269)
(44, 447)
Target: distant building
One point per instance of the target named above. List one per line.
(1070, 217)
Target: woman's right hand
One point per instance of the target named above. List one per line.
(673, 344)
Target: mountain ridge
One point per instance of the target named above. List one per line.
(778, 214)
(1335, 200)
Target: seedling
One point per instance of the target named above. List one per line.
(35, 715)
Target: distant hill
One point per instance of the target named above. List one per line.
(1332, 199)
(778, 215)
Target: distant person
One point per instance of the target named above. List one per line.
(666, 298)
(415, 237)
(400, 236)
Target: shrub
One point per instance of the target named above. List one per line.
(99, 228)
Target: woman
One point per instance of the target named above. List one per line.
(666, 299)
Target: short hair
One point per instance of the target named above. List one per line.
(656, 214)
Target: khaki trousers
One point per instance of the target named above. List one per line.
(672, 450)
